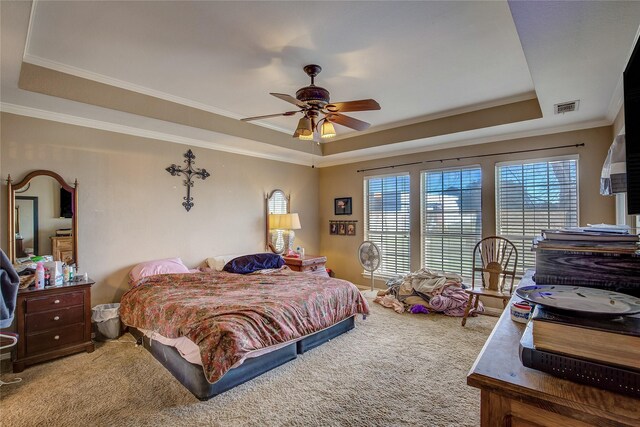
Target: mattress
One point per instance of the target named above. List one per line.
(190, 351)
(232, 317)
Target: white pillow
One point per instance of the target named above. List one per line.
(159, 266)
(218, 262)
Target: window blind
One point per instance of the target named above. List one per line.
(387, 221)
(451, 218)
(533, 196)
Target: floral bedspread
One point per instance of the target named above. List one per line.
(229, 315)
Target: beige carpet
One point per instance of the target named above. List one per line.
(391, 370)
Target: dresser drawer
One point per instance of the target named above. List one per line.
(50, 340)
(52, 302)
(64, 245)
(54, 319)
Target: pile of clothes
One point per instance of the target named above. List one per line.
(427, 290)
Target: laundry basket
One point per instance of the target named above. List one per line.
(107, 320)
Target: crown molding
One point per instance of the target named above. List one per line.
(343, 159)
(442, 114)
(143, 133)
(100, 78)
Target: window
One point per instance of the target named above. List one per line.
(532, 196)
(387, 221)
(451, 218)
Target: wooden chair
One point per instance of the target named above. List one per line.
(495, 260)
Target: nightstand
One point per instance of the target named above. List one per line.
(53, 322)
(310, 264)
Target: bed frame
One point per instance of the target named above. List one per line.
(192, 376)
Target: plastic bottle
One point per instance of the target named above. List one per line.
(65, 273)
(47, 277)
(39, 276)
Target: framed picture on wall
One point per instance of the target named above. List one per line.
(333, 228)
(342, 206)
(351, 229)
(342, 228)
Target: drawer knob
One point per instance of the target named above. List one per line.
(56, 318)
(57, 301)
(57, 337)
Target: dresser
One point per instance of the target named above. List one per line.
(513, 395)
(53, 322)
(311, 264)
(62, 249)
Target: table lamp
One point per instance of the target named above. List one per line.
(287, 223)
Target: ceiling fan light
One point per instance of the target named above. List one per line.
(304, 127)
(328, 131)
(306, 137)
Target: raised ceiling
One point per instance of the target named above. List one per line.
(450, 73)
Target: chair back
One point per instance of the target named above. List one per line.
(495, 260)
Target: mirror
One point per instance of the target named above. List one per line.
(27, 236)
(43, 217)
(276, 203)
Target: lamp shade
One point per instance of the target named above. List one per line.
(328, 131)
(305, 127)
(289, 221)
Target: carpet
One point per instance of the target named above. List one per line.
(392, 369)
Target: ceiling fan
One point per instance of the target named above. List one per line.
(319, 113)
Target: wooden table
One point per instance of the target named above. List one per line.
(512, 395)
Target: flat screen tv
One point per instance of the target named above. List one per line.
(631, 81)
(66, 204)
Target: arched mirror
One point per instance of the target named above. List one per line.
(43, 217)
(276, 203)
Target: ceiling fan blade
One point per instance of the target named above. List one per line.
(347, 121)
(288, 113)
(289, 98)
(359, 105)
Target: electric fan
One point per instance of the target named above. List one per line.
(369, 257)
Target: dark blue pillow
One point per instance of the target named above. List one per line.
(250, 263)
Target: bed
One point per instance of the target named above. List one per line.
(242, 324)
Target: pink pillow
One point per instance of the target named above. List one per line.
(160, 266)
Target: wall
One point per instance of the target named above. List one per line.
(130, 207)
(345, 181)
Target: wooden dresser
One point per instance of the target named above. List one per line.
(311, 264)
(53, 322)
(62, 249)
(512, 395)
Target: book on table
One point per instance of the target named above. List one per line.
(585, 245)
(594, 236)
(609, 341)
(606, 376)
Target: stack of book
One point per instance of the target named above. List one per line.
(601, 352)
(61, 232)
(603, 239)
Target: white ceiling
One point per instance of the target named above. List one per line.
(417, 59)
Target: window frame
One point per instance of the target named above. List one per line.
(523, 162)
(423, 174)
(379, 272)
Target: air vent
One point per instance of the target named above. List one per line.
(566, 107)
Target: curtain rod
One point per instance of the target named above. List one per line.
(472, 157)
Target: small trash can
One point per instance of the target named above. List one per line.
(107, 320)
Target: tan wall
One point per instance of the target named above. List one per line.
(345, 181)
(130, 207)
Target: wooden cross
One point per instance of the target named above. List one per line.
(189, 172)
